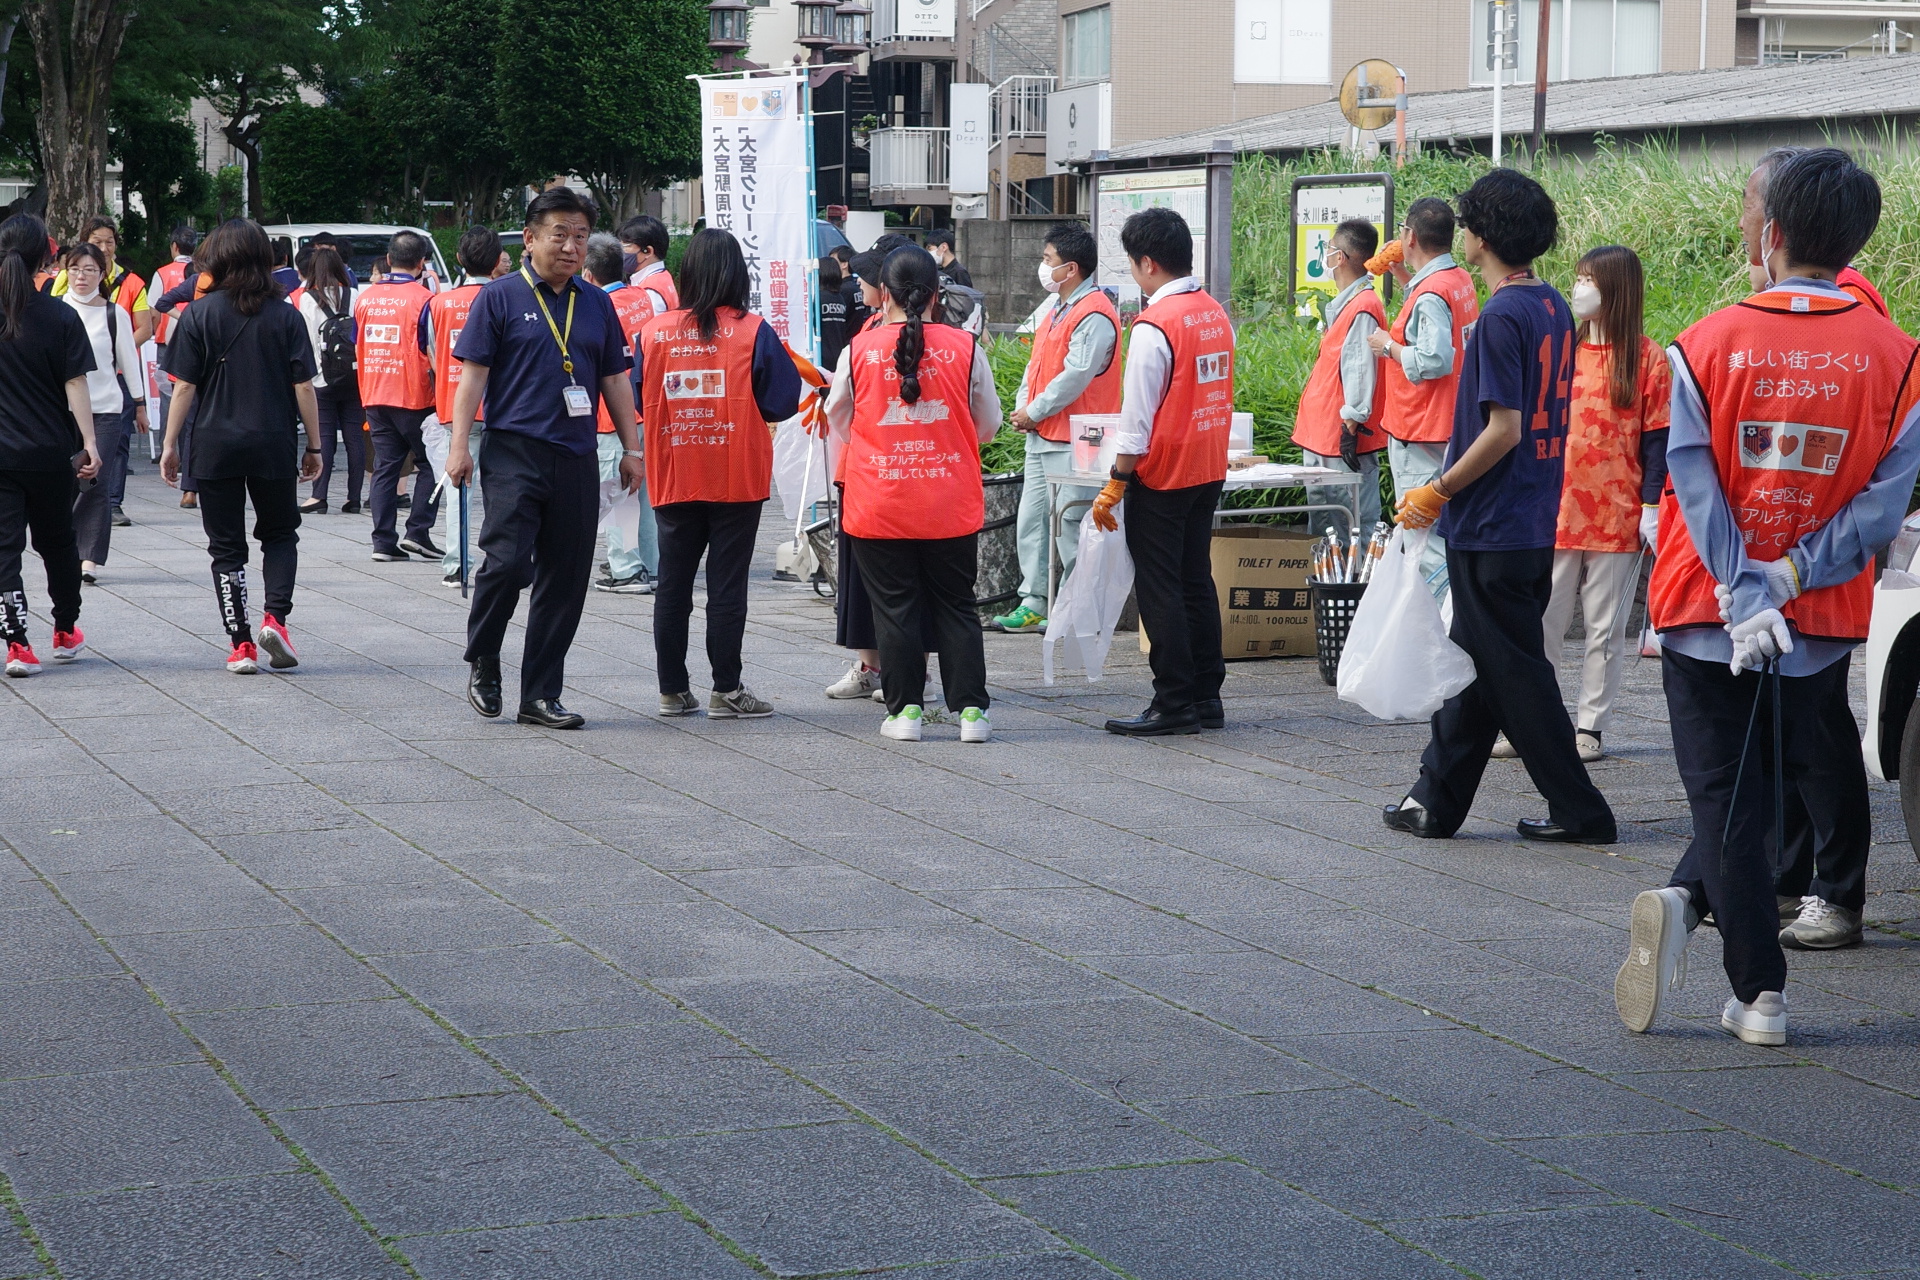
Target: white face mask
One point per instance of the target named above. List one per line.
(1585, 300)
(1047, 281)
(1766, 254)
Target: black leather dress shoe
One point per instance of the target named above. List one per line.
(1415, 822)
(549, 714)
(483, 686)
(1212, 713)
(1548, 829)
(1153, 723)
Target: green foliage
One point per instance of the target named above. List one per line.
(160, 162)
(439, 103)
(229, 188)
(1007, 356)
(309, 162)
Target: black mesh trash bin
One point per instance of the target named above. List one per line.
(1333, 606)
(996, 589)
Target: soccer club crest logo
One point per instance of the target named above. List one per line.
(773, 103)
(1756, 440)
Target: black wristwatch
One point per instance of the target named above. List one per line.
(1124, 477)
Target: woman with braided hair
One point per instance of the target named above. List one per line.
(912, 404)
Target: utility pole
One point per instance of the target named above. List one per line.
(1540, 80)
(1497, 60)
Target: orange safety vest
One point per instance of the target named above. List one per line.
(1316, 427)
(706, 440)
(394, 371)
(1191, 426)
(447, 316)
(660, 284)
(1049, 361)
(634, 310)
(1804, 396)
(1862, 288)
(912, 470)
(1422, 412)
(166, 279)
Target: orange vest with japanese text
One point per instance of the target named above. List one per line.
(912, 470)
(1191, 426)
(660, 283)
(1804, 396)
(447, 316)
(1049, 361)
(165, 280)
(1422, 412)
(1316, 427)
(1862, 288)
(705, 438)
(634, 309)
(394, 371)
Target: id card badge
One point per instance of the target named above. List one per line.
(579, 403)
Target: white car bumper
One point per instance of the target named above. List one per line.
(1893, 609)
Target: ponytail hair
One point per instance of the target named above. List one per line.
(23, 251)
(912, 279)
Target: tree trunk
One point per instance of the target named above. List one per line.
(75, 46)
(242, 130)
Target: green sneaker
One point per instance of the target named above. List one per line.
(1021, 619)
(904, 727)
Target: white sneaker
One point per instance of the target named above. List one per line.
(1762, 1022)
(974, 725)
(1821, 926)
(859, 681)
(904, 727)
(1656, 956)
(1504, 750)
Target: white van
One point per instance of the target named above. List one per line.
(1892, 740)
(360, 243)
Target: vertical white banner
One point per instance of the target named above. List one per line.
(757, 175)
(967, 141)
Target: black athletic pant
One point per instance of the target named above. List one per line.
(724, 533)
(40, 504)
(906, 577)
(1710, 709)
(1170, 536)
(276, 527)
(542, 518)
(396, 435)
(1499, 598)
(93, 508)
(341, 417)
(1829, 828)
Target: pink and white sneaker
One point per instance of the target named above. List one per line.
(68, 644)
(21, 662)
(276, 644)
(244, 660)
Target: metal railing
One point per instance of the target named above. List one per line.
(907, 159)
(1020, 107)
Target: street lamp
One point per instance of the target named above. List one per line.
(852, 21)
(727, 30)
(818, 20)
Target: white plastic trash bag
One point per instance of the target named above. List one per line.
(1091, 599)
(1398, 663)
(799, 466)
(438, 439)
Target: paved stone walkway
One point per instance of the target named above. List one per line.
(320, 976)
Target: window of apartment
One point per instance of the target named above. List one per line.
(1604, 38)
(1089, 45)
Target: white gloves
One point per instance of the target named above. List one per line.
(1783, 581)
(1650, 527)
(1758, 640)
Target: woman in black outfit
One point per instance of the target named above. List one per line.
(46, 441)
(242, 353)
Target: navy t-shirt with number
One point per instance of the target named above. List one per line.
(1519, 356)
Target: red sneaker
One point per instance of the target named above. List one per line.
(276, 644)
(20, 661)
(68, 644)
(244, 660)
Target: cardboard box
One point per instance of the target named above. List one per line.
(1265, 609)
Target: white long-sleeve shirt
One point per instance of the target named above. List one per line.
(310, 312)
(114, 356)
(1149, 368)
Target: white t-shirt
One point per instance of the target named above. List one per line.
(111, 333)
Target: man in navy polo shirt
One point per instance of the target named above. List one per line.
(542, 348)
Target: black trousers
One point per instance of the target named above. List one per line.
(542, 518)
(1170, 536)
(1499, 598)
(1829, 828)
(340, 419)
(118, 460)
(40, 504)
(1729, 866)
(906, 577)
(853, 611)
(724, 533)
(187, 483)
(93, 508)
(396, 436)
(276, 527)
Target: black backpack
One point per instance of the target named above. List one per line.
(338, 358)
(960, 304)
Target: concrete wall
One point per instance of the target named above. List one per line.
(1004, 258)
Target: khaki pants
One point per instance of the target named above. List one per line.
(1603, 582)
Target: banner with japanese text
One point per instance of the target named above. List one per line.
(756, 171)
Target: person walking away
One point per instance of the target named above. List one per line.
(396, 388)
(1422, 351)
(325, 304)
(645, 237)
(912, 403)
(1074, 368)
(541, 382)
(168, 281)
(1176, 412)
(1498, 506)
(631, 564)
(46, 444)
(284, 273)
(940, 244)
(117, 391)
(1768, 531)
(244, 365)
(1616, 466)
(1338, 422)
(480, 261)
(714, 378)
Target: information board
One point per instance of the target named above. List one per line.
(1320, 204)
(1121, 195)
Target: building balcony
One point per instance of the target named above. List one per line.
(910, 31)
(1020, 114)
(908, 166)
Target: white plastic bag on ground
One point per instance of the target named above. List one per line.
(1398, 663)
(1091, 600)
(799, 467)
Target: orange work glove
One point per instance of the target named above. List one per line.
(1104, 504)
(1421, 507)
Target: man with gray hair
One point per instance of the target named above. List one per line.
(1753, 218)
(628, 571)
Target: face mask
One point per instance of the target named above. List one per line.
(85, 296)
(1047, 281)
(1585, 300)
(1766, 254)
